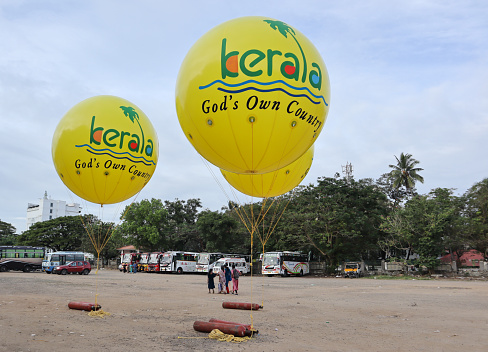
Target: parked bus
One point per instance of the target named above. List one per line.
(154, 262)
(285, 263)
(23, 258)
(206, 261)
(178, 262)
(143, 262)
(60, 258)
(128, 259)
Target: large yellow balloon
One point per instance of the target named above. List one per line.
(274, 183)
(252, 95)
(105, 149)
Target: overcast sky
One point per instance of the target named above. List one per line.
(406, 76)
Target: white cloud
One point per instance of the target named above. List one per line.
(405, 77)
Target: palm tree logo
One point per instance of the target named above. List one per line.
(285, 29)
(133, 116)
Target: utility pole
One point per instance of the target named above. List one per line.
(347, 171)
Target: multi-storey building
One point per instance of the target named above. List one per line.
(48, 209)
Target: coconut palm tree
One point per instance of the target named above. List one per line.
(284, 29)
(133, 116)
(404, 173)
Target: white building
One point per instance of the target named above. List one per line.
(48, 209)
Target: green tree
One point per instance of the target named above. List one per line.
(405, 173)
(102, 231)
(145, 225)
(257, 222)
(7, 234)
(182, 230)
(60, 234)
(385, 184)
(476, 215)
(219, 232)
(338, 219)
(425, 225)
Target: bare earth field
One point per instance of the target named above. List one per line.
(155, 312)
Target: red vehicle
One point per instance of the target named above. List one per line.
(81, 268)
(154, 262)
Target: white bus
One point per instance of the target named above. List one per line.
(285, 263)
(25, 258)
(206, 261)
(54, 259)
(178, 262)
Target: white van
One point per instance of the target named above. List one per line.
(240, 263)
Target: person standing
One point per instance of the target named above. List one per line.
(228, 277)
(235, 279)
(134, 267)
(222, 279)
(210, 280)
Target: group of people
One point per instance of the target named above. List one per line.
(130, 268)
(226, 275)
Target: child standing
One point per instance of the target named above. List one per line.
(235, 279)
(210, 279)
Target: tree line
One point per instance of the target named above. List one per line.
(338, 219)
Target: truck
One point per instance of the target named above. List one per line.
(352, 269)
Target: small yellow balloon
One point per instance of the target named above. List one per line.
(252, 95)
(105, 149)
(274, 183)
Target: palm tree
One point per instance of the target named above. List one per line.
(284, 29)
(133, 115)
(404, 173)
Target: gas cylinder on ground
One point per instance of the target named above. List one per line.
(247, 326)
(231, 329)
(241, 305)
(84, 306)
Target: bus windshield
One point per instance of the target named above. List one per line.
(126, 258)
(153, 258)
(166, 258)
(203, 258)
(270, 259)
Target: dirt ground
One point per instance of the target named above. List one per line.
(155, 312)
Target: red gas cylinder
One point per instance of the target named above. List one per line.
(238, 305)
(247, 326)
(231, 329)
(84, 306)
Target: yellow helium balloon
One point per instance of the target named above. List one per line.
(252, 95)
(274, 183)
(105, 149)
